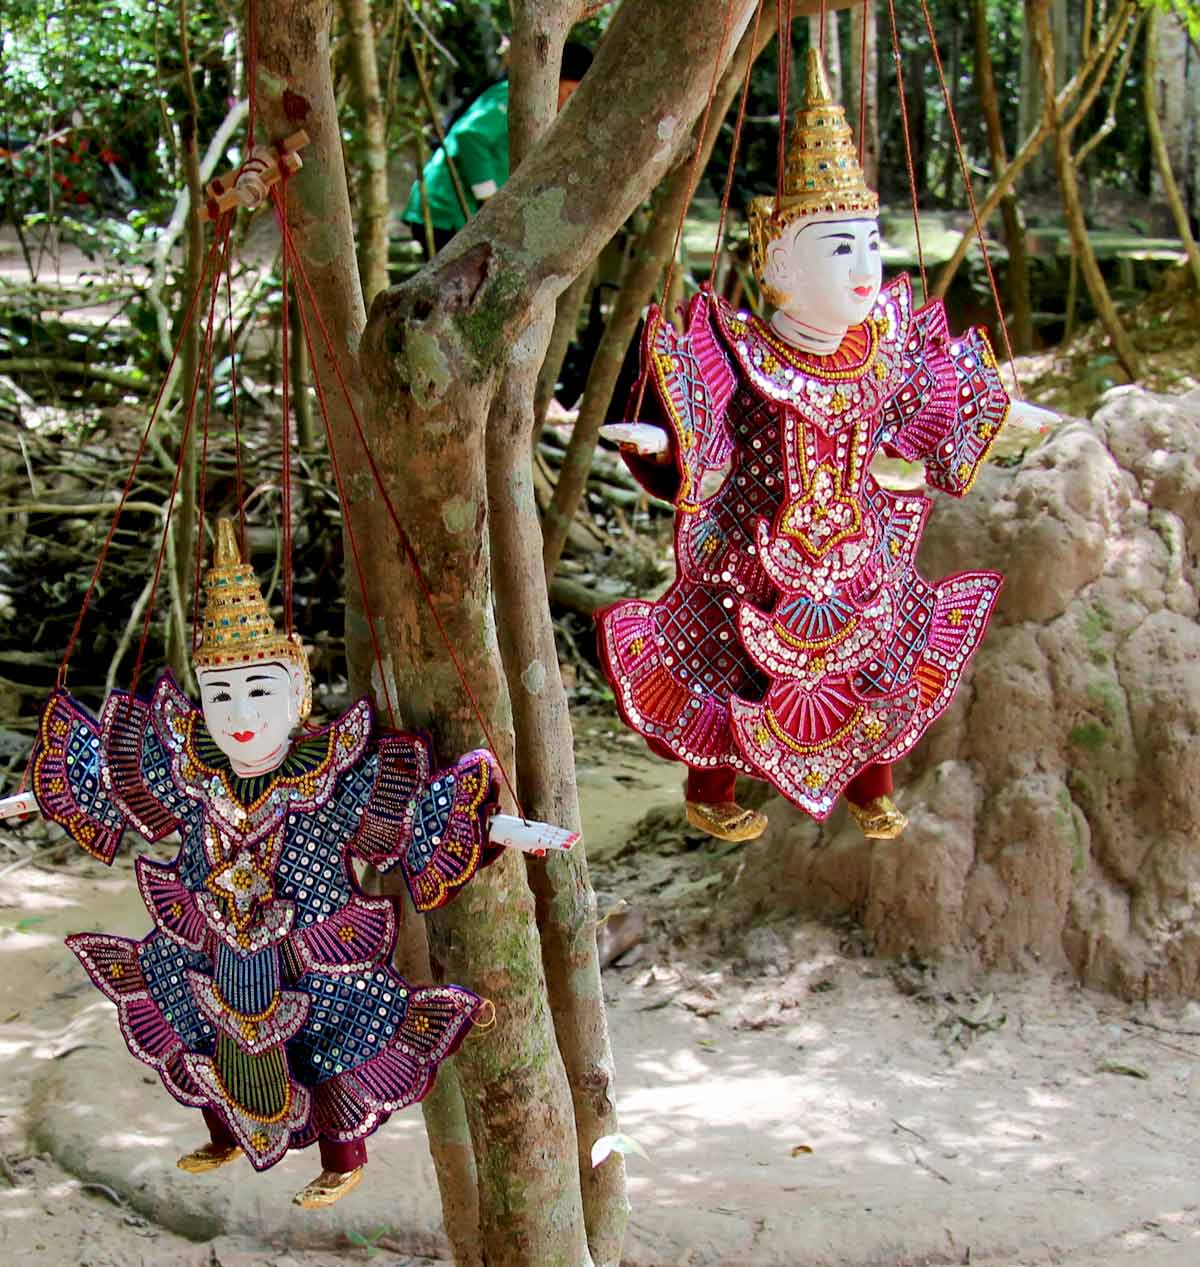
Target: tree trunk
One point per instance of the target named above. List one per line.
(433, 351)
(565, 903)
(865, 123)
(1021, 327)
(1172, 55)
(1091, 73)
(566, 324)
(1072, 206)
(373, 180)
(638, 284)
(951, 171)
(444, 1111)
(306, 427)
(295, 91)
(1161, 148)
(1033, 95)
(918, 119)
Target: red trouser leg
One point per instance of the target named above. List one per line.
(875, 780)
(218, 1132)
(342, 1158)
(705, 787)
(710, 786)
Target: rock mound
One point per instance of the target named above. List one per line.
(1055, 810)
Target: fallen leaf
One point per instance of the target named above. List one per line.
(1129, 1071)
(606, 1145)
(801, 1150)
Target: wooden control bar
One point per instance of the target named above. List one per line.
(248, 185)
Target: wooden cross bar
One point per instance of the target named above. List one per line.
(249, 184)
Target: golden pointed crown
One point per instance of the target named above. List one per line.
(237, 626)
(822, 175)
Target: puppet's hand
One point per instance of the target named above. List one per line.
(642, 438)
(20, 807)
(1032, 417)
(528, 835)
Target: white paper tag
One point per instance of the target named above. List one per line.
(528, 835)
(19, 806)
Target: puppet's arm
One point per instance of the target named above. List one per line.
(432, 825)
(95, 778)
(68, 780)
(440, 827)
(949, 405)
(685, 389)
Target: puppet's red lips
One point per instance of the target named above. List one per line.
(862, 291)
(242, 736)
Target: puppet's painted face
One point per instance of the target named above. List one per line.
(251, 710)
(828, 271)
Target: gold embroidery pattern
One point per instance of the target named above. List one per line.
(804, 749)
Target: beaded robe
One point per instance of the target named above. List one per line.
(798, 643)
(265, 990)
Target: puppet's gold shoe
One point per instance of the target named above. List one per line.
(329, 1186)
(210, 1157)
(879, 818)
(726, 820)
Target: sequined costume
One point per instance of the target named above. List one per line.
(799, 643)
(264, 994)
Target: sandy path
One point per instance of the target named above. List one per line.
(801, 1110)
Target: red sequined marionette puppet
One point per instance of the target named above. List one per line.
(798, 643)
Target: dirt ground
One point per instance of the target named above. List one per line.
(798, 1103)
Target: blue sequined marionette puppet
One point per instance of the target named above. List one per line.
(264, 994)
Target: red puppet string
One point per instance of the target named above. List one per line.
(219, 240)
(405, 543)
(727, 192)
(693, 176)
(908, 154)
(867, 15)
(970, 191)
(189, 315)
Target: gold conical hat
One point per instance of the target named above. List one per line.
(238, 628)
(822, 175)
